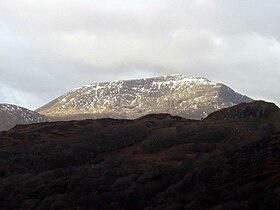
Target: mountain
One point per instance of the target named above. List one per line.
(230, 160)
(11, 115)
(189, 97)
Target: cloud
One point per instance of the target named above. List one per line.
(49, 47)
(17, 97)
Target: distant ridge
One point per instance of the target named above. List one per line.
(11, 115)
(189, 97)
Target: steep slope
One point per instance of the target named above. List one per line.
(11, 115)
(154, 162)
(189, 97)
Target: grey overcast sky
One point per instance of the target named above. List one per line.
(48, 47)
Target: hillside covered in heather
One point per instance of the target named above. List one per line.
(230, 160)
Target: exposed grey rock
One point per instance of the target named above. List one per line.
(189, 97)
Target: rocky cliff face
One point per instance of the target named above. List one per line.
(189, 97)
(11, 115)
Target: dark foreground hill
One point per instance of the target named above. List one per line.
(230, 160)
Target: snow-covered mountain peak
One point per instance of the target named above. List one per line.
(192, 97)
(174, 80)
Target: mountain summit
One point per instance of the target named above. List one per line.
(189, 97)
